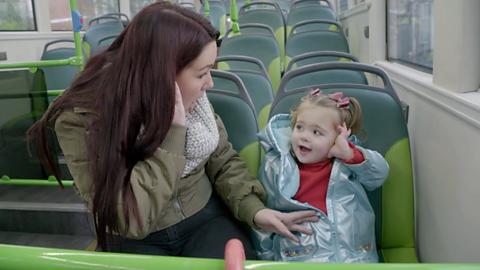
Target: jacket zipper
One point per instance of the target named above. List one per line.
(176, 205)
(334, 225)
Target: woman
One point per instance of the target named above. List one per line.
(147, 153)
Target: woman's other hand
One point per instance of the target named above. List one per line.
(284, 223)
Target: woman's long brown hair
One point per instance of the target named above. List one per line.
(130, 85)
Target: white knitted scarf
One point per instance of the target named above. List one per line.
(202, 134)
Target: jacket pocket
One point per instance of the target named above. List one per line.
(364, 231)
(288, 250)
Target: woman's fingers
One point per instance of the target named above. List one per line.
(300, 229)
(307, 219)
(283, 230)
(290, 217)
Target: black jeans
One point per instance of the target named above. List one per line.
(203, 235)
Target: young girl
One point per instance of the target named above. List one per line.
(319, 166)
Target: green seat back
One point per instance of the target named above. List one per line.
(314, 41)
(97, 31)
(271, 17)
(261, 92)
(386, 128)
(23, 101)
(266, 50)
(257, 83)
(238, 115)
(310, 13)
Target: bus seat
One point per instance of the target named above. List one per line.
(266, 50)
(59, 77)
(271, 17)
(113, 26)
(315, 41)
(387, 132)
(103, 44)
(310, 12)
(258, 85)
(238, 115)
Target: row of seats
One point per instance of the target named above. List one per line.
(303, 47)
(280, 42)
(383, 121)
(249, 89)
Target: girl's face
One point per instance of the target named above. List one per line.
(196, 78)
(314, 133)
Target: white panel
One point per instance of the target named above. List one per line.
(457, 42)
(355, 21)
(28, 46)
(444, 129)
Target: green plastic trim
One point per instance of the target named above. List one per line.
(223, 25)
(234, 12)
(274, 73)
(49, 63)
(54, 93)
(207, 9)
(400, 255)
(250, 154)
(397, 199)
(234, 17)
(51, 93)
(223, 66)
(52, 181)
(263, 116)
(22, 257)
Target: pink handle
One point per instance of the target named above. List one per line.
(234, 255)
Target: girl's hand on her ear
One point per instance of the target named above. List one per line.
(284, 223)
(341, 149)
(179, 116)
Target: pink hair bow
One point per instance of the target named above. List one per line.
(341, 103)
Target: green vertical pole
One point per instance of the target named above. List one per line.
(76, 34)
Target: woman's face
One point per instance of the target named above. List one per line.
(194, 79)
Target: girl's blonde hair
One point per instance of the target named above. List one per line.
(351, 115)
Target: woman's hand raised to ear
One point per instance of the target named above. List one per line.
(179, 116)
(284, 223)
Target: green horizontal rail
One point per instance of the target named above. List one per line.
(55, 93)
(49, 63)
(51, 93)
(77, 60)
(22, 257)
(51, 181)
